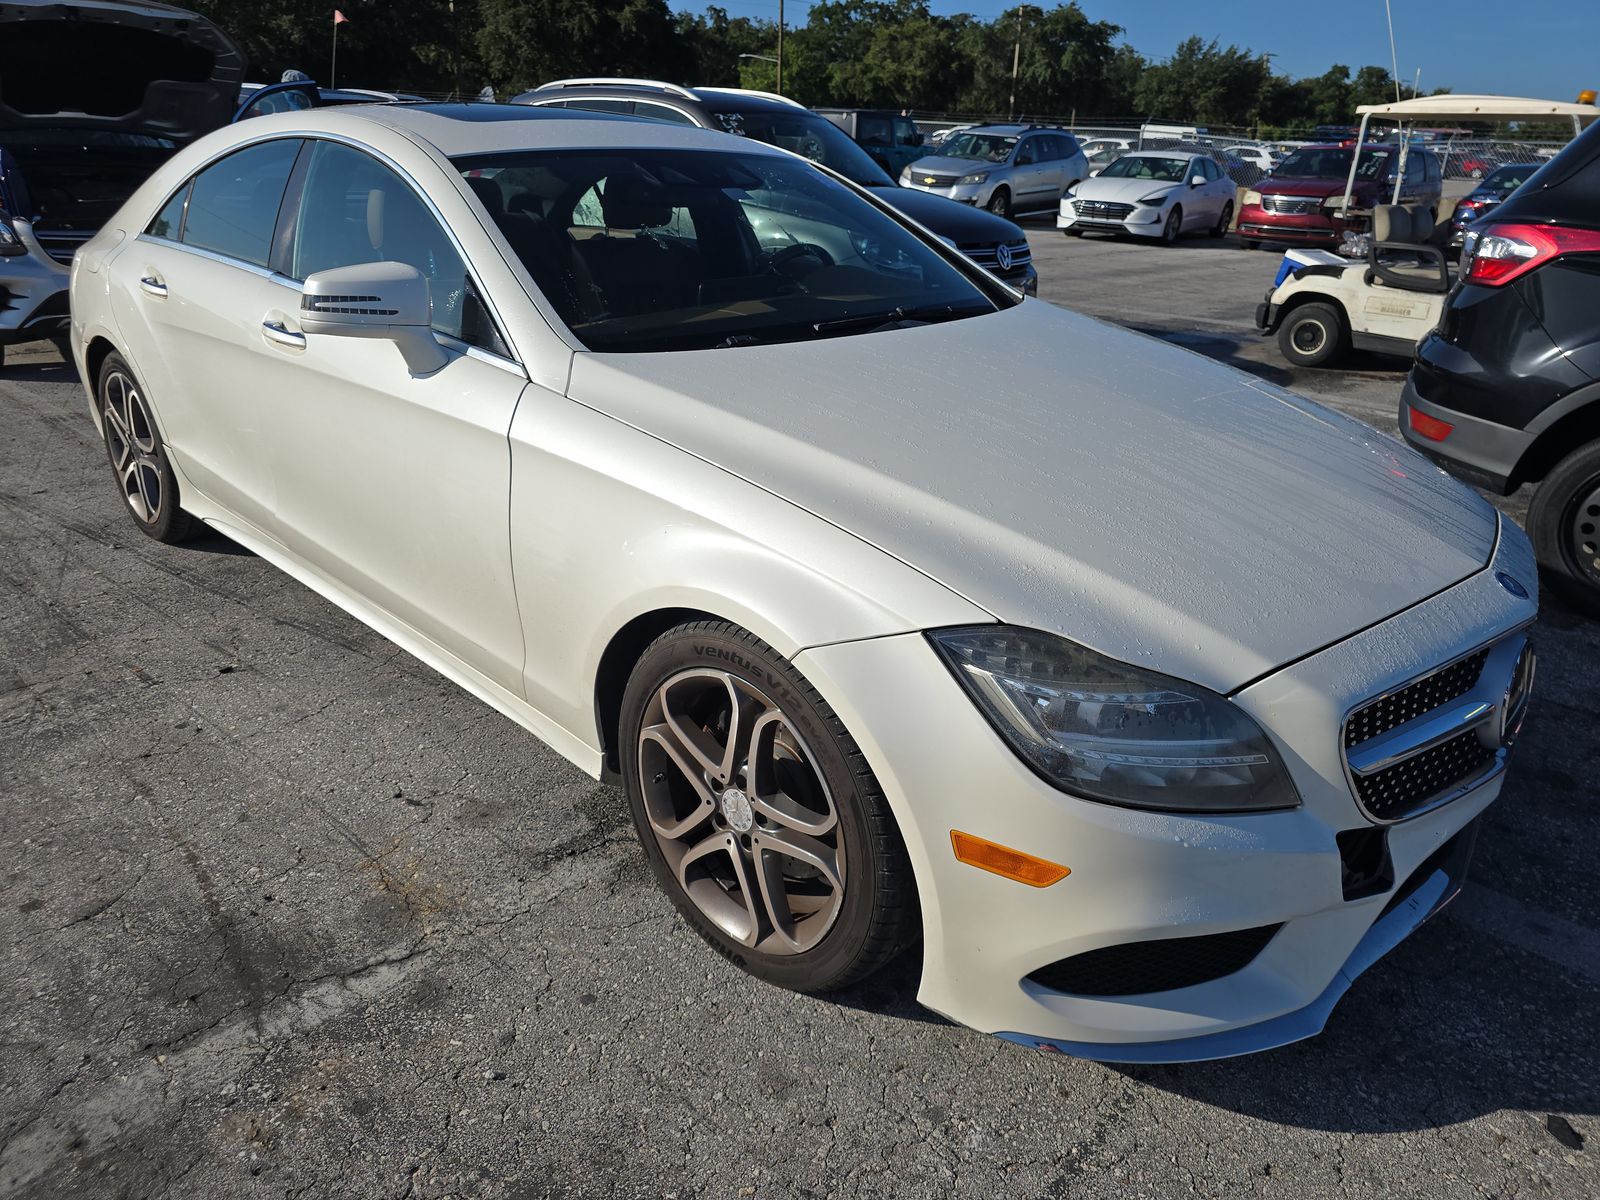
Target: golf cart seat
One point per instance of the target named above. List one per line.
(1401, 256)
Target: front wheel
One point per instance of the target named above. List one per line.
(1313, 335)
(1224, 221)
(138, 458)
(1564, 524)
(1073, 231)
(1174, 225)
(1000, 202)
(758, 813)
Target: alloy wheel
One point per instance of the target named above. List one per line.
(741, 813)
(131, 439)
(1174, 226)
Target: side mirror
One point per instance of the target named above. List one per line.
(1196, 180)
(388, 300)
(1094, 172)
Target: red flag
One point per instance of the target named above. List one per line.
(339, 18)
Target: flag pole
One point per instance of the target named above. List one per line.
(333, 66)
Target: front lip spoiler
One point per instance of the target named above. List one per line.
(1388, 931)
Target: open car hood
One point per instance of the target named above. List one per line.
(140, 68)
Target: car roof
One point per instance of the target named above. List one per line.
(1008, 130)
(1157, 152)
(458, 129)
(717, 99)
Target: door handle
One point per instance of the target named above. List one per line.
(277, 332)
(152, 286)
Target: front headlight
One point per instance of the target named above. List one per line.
(1108, 731)
(1157, 199)
(905, 176)
(1251, 196)
(10, 243)
(975, 177)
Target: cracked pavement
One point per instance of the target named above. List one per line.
(283, 913)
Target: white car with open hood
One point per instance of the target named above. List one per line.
(1160, 701)
(1155, 194)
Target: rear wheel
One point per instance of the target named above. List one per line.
(1000, 202)
(1313, 335)
(1224, 221)
(1174, 225)
(758, 814)
(1564, 523)
(138, 458)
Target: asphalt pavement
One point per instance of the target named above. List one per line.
(283, 913)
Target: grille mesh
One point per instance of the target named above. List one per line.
(1408, 785)
(1160, 966)
(1391, 711)
(1102, 210)
(1291, 206)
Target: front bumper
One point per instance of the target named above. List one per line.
(1144, 221)
(1299, 229)
(967, 193)
(33, 292)
(1141, 876)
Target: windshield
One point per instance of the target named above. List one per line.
(1508, 179)
(653, 249)
(1143, 166)
(1333, 162)
(809, 136)
(979, 147)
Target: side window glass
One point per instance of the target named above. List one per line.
(872, 131)
(233, 204)
(600, 105)
(905, 131)
(587, 213)
(1028, 152)
(661, 112)
(356, 210)
(169, 221)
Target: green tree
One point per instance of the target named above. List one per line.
(1205, 84)
(523, 43)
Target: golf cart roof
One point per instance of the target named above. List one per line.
(1493, 108)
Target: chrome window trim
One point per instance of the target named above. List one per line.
(354, 144)
(566, 105)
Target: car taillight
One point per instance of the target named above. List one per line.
(1507, 250)
(1431, 428)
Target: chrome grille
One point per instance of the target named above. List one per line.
(1291, 206)
(61, 244)
(927, 179)
(986, 255)
(1433, 739)
(1102, 210)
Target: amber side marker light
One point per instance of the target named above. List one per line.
(1002, 860)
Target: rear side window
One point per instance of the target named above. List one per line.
(169, 221)
(661, 112)
(872, 131)
(233, 203)
(601, 105)
(905, 131)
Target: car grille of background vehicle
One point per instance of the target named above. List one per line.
(1291, 206)
(1137, 968)
(986, 255)
(1417, 777)
(927, 180)
(1102, 210)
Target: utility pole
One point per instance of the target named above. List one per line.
(780, 47)
(1016, 61)
(1394, 61)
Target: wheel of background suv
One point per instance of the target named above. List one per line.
(760, 817)
(1000, 202)
(1174, 225)
(1224, 221)
(1313, 335)
(133, 444)
(1564, 523)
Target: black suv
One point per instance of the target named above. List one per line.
(1506, 390)
(994, 243)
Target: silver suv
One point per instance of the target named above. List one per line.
(1007, 169)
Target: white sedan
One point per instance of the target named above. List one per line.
(1149, 723)
(1154, 194)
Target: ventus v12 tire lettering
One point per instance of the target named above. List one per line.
(758, 813)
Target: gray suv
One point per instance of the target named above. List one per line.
(994, 243)
(1007, 169)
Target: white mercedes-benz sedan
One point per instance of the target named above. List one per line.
(1159, 701)
(1153, 194)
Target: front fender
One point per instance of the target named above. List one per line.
(609, 524)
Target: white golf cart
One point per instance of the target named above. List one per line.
(1323, 304)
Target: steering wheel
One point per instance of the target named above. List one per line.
(779, 259)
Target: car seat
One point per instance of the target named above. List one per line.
(1400, 255)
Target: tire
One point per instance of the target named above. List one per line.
(138, 458)
(1073, 232)
(1564, 524)
(1313, 335)
(1172, 230)
(1000, 202)
(1224, 221)
(705, 844)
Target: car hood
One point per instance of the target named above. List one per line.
(1120, 191)
(960, 223)
(140, 68)
(940, 165)
(1284, 185)
(1070, 476)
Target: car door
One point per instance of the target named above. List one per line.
(395, 485)
(189, 293)
(907, 145)
(1029, 175)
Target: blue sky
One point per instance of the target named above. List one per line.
(1543, 48)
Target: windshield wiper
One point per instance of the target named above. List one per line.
(925, 314)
